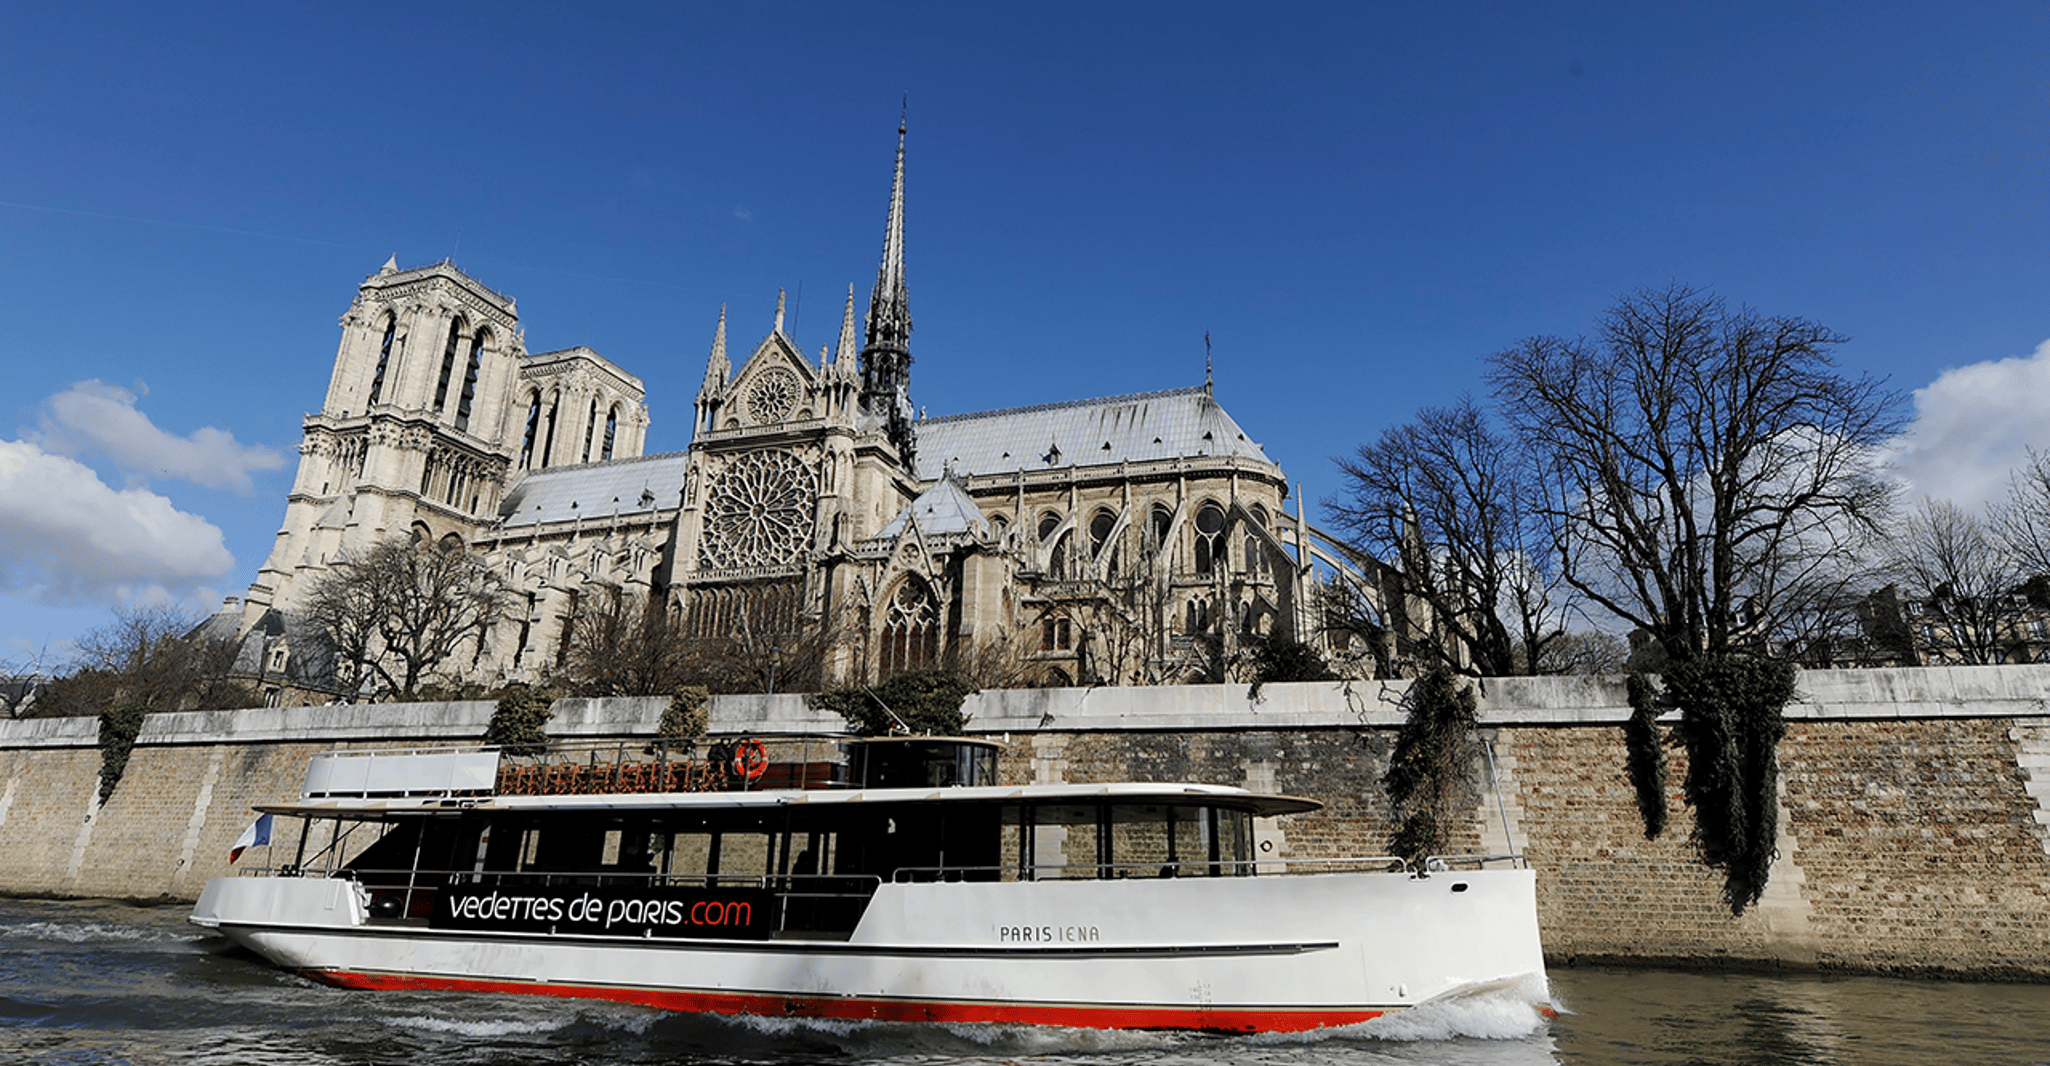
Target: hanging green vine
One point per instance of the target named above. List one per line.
(1733, 723)
(1429, 779)
(1647, 749)
(119, 727)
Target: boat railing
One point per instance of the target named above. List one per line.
(1161, 868)
(1354, 864)
(1454, 863)
(646, 766)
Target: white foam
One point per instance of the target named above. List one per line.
(476, 1028)
(1504, 1014)
(90, 932)
(1040, 1039)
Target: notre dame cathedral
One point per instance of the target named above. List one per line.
(1138, 538)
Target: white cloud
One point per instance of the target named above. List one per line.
(66, 537)
(1973, 425)
(93, 416)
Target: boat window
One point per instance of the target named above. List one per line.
(1154, 840)
(1049, 841)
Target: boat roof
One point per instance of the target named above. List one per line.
(1127, 792)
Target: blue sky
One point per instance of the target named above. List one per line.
(1358, 202)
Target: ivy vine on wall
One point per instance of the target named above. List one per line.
(1733, 718)
(1647, 754)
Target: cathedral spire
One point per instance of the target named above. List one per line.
(849, 352)
(778, 328)
(717, 367)
(886, 352)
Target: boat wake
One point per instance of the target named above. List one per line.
(1510, 1012)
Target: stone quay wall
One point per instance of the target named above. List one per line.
(1914, 812)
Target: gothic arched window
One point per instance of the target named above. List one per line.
(548, 433)
(1100, 526)
(470, 380)
(1057, 562)
(391, 329)
(1209, 538)
(590, 428)
(911, 629)
(533, 428)
(448, 362)
(1056, 634)
(611, 429)
(1159, 522)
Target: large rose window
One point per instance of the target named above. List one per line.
(758, 512)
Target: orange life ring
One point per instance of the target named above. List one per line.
(750, 759)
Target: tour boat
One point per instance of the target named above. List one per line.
(889, 879)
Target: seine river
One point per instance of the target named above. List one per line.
(106, 983)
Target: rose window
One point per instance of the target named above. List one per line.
(773, 395)
(758, 512)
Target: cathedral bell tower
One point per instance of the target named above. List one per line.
(412, 436)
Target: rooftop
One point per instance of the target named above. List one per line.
(1140, 426)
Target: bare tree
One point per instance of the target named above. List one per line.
(1584, 651)
(1961, 577)
(398, 610)
(1703, 472)
(159, 658)
(760, 641)
(1445, 497)
(1706, 475)
(2023, 521)
(626, 645)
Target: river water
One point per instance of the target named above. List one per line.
(95, 982)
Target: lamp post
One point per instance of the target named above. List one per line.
(775, 653)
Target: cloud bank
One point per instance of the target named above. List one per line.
(66, 537)
(93, 416)
(1973, 425)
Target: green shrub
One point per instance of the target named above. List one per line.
(520, 724)
(688, 715)
(923, 702)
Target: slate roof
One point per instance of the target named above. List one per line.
(596, 490)
(943, 508)
(1138, 427)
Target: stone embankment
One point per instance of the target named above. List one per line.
(1915, 804)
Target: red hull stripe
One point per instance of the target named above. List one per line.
(875, 1009)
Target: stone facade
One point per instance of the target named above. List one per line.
(1913, 835)
(1139, 538)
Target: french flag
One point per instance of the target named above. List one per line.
(257, 835)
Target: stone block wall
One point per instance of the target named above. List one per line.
(1914, 829)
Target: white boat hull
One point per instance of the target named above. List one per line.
(1282, 953)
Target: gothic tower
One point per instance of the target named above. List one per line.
(411, 438)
